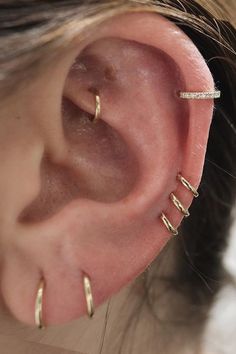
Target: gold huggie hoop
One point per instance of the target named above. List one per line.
(187, 185)
(179, 205)
(39, 306)
(88, 296)
(200, 95)
(168, 225)
(98, 109)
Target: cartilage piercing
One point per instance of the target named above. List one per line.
(187, 185)
(168, 225)
(97, 109)
(179, 205)
(201, 95)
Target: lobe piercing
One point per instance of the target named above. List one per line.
(39, 306)
(200, 95)
(88, 296)
(179, 205)
(187, 185)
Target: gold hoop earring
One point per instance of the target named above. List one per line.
(168, 225)
(39, 306)
(179, 205)
(88, 296)
(201, 95)
(187, 185)
(97, 115)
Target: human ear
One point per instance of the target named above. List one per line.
(80, 197)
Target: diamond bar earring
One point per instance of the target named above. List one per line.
(201, 95)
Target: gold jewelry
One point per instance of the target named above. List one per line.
(179, 205)
(168, 225)
(39, 306)
(98, 109)
(187, 185)
(200, 95)
(88, 296)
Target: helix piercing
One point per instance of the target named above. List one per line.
(187, 185)
(168, 225)
(179, 205)
(200, 95)
(97, 109)
(39, 306)
(88, 296)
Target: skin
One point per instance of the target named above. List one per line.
(81, 197)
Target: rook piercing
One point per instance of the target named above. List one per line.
(200, 95)
(187, 185)
(39, 306)
(168, 225)
(98, 109)
(88, 296)
(179, 205)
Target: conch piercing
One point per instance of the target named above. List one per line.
(178, 205)
(88, 296)
(200, 95)
(97, 115)
(39, 306)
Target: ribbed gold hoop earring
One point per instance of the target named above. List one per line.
(97, 115)
(39, 306)
(179, 205)
(188, 186)
(201, 95)
(88, 296)
(168, 225)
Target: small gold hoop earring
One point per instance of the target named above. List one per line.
(179, 205)
(187, 185)
(39, 306)
(168, 225)
(201, 95)
(88, 296)
(98, 109)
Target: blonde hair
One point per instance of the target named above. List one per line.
(33, 33)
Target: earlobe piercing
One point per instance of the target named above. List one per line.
(39, 306)
(39, 301)
(200, 95)
(88, 296)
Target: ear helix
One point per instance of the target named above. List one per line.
(191, 95)
(179, 205)
(176, 202)
(200, 95)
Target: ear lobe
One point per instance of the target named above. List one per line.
(145, 137)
